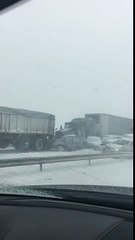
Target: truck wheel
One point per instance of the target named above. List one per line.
(39, 144)
(61, 148)
(4, 145)
(22, 144)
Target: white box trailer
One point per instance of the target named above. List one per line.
(106, 124)
(26, 129)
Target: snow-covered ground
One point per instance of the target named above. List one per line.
(115, 172)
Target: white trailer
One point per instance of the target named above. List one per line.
(26, 129)
(106, 124)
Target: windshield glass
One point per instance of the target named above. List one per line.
(66, 93)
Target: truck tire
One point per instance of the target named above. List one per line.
(39, 144)
(4, 145)
(22, 144)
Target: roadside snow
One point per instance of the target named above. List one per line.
(114, 172)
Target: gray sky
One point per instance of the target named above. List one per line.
(67, 57)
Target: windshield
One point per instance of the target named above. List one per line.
(66, 92)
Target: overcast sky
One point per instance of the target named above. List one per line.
(67, 57)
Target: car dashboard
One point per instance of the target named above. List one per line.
(57, 219)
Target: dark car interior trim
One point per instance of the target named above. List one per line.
(27, 218)
(7, 4)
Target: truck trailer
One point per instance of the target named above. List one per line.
(106, 124)
(26, 129)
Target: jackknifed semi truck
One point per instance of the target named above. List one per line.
(97, 124)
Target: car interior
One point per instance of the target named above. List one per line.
(104, 216)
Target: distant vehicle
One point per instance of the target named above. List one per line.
(121, 145)
(26, 129)
(70, 143)
(110, 138)
(95, 142)
(127, 148)
(128, 137)
(124, 140)
(112, 147)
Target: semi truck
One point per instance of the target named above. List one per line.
(25, 129)
(98, 124)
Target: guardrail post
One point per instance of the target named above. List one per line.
(41, 168)
(89, 162)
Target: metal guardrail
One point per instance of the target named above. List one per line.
(23, 161)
